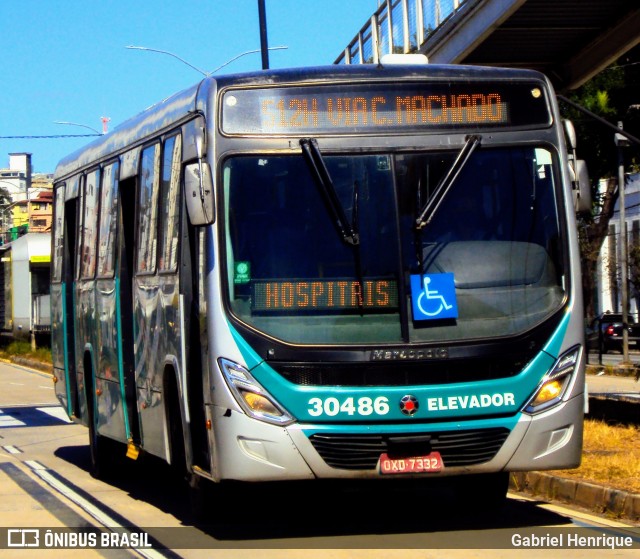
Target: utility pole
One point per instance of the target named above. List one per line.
(622, 142)
(264, 45)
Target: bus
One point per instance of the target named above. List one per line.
(343, 272)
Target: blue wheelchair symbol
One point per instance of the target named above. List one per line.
(433, 296)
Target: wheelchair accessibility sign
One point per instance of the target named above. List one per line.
(433, 296)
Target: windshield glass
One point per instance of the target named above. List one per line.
(487, 263)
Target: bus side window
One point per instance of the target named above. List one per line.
(58, 236)
(148, 209)
(108, 221)
(170, 205)
(89, 225)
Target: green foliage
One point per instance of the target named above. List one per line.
(595, 143)
(602, 103)
(5, 196)
(23, 349)
(612, 96)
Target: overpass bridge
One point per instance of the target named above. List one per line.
(568, 40)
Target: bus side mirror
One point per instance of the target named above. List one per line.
(198, 191)
(581, 186)
(569, 134)
(578, 169)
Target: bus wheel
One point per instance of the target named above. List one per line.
(199, 497)
(97, 447)
(482, 492)
(177, 451)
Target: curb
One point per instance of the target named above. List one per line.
(32, 364)
(597, 498)
(614, 408)
(618, 370)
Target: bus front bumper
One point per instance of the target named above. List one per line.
(250, 450)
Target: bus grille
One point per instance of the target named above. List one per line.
(361, 452)
(402, 374)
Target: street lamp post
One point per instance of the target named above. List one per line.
(81, 125)
(622, 142)
(133, 47)
(262, 16)
(205, 74)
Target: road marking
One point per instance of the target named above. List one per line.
(93, 507)
(47, 499)
(12, 449)
(56, 412)
(36, 415)
(9, 421)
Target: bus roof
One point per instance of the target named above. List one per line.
(177, 108)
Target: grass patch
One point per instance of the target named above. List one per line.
(611, 456)
(23, 349)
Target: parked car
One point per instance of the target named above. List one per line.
(604, 333)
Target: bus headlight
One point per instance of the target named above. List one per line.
(553, 386)
(252, 397)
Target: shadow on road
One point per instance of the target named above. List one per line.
(294, 514)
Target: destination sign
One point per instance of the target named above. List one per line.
(323, 295)
(375, 108)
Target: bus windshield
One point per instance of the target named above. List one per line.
(295, 275)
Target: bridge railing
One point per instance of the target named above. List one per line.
(397, 27)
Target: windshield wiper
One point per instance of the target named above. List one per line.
(445, 184)
(316, 163)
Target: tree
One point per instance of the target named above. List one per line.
(611, 95)
(5, 196)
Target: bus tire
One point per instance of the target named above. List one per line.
(199, 492)
(98, 451)
(174, 427)
(195, 485)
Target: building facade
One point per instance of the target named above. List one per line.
(609, 292)
(26, 204)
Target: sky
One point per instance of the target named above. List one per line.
(66, 61)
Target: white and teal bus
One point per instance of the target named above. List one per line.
(338, 272)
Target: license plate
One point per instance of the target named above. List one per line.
(413, 465)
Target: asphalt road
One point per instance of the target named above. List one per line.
(44, 483)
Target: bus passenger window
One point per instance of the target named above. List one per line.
(148, 209)
(108, 220)
(90, 225)
(170, 205)
(58, 235)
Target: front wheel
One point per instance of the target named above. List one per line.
(98, 450)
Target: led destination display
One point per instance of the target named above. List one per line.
(323, 295)
(375, 108)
